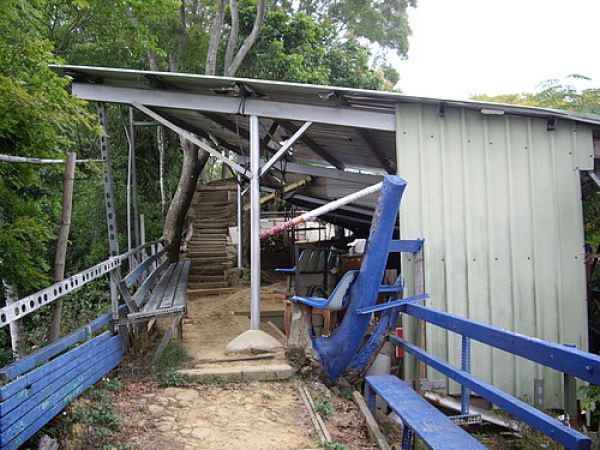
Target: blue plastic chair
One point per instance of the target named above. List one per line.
(338, 298)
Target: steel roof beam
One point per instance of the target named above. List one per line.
(316, 148)
(377, 152)
(190, 137)
(350, 117)
(284, 148)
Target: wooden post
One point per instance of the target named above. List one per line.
(63, 237)
(421, 368)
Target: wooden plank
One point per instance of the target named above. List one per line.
(167, 337)
(431, 425)
(34, 399)
(157, 293)
(181, 293)
(372, 427)
(132, 277)
(167, 298)
(141, 295)
(31, 428)
(11, 371)
(21, 389)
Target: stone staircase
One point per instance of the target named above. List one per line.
(213, 211)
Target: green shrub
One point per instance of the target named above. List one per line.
(324, 408)
(173, 379)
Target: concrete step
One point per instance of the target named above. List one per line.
(206, 270)
(212, 223)
(210, 291)
(210, 229)
(207, 285)
(243, 372)
(205, 253)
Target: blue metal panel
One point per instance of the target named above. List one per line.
(568, 360)
(77, 371)
(336, 352)
(406, 246)
(18, 435)
(549, 426)
(394, 304)
(11, 371)
(19, 390)
(431, 425)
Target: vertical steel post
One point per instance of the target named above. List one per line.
(134, 186)
(465, 364)
(239, 222)
(254, 224)
(109, 200)
(570, 394)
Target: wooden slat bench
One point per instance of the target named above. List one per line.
(163, 293)
(434, 428)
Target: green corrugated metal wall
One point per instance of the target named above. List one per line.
(497, 198)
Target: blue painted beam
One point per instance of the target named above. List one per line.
(360, 361)
(548, 425)
(77, 369)
(11, 371)
(395, 304)
(25, 433)
(16, 392)
(336, 352)
(406, 246)
(565, 359)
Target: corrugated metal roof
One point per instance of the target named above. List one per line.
(294, 92)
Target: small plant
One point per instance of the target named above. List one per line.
(113, 385)
(173, 357)
(591, 401)
(173, 379)
(346, 392)
(334, 446)
(324, 408)
(99, 415)
(213, 379)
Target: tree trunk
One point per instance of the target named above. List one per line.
(175, 219)
(232, 68)
(215, 38)
(175, 57)
(161, 170)
(234, 32)
(17, 333)
(152, 61)
(63, 238)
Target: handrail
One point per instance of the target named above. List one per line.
(138, 249)
(560, 357)
(27, 305)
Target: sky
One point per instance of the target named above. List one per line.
(464, 47)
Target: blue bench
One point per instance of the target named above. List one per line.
(434, 428)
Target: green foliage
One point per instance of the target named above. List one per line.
(173, 379)
(173, 356)
(334, 446)
(99, 415)
(218, 380)
(324, 408)
(591, 401)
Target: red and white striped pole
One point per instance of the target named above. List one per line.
(321, 210)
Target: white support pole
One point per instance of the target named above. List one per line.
(239, 223)
(254, 224)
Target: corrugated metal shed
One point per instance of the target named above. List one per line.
(497, 199)
(494, 189)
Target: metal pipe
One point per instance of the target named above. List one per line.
(322, 210)
(239, 223)
(284, 148)
(134, 185)
(465, 364)
(254, 224)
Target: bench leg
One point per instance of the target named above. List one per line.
(167, 337)
(407, 435)
(370, 397)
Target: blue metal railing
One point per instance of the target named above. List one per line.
(568, 360)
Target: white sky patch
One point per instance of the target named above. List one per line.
(464, 47)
